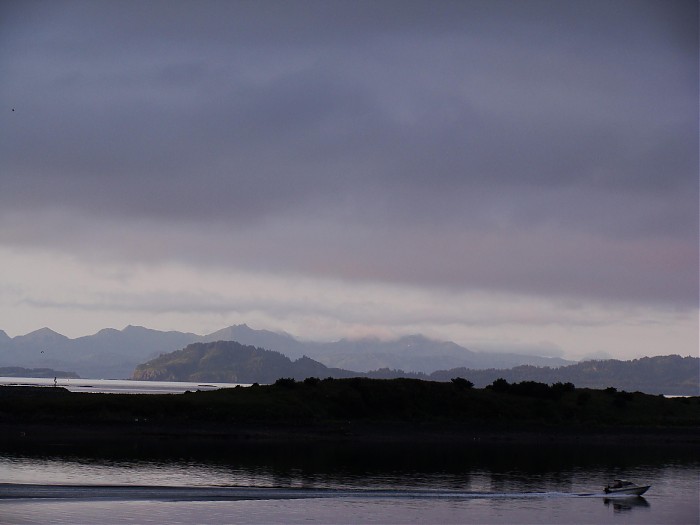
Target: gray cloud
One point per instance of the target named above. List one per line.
(547, 147)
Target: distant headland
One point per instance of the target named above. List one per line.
(232, 362)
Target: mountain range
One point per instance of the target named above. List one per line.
(115, 354)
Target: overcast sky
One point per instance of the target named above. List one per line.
(513, 175)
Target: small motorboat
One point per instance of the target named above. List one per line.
(624, 487)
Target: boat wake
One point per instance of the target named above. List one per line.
(21, 491)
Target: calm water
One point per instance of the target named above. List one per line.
(475, 484)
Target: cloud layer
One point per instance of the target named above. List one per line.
(541, 148)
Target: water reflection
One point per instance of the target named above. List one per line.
(626, 504)
(498, 470)
(419, 484)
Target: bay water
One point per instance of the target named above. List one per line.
(115, 386)
(334, 484)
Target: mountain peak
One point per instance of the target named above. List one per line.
(107, 331)
(42, 335)
(138, 330)
(45, 331)
(133, 328)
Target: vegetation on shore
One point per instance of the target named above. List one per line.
(316, 401)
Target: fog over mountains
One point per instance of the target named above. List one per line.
(115, 354)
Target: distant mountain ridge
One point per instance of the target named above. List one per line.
(114, 354)
(416, 353)
(108, 354)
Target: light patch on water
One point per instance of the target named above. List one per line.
(117, 386)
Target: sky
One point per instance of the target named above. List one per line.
(508, 175)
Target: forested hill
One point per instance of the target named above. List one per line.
(671, 374)
(232, 362)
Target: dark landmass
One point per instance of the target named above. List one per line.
(347, 411)
(669, 375)
(18, 371)
(232, 362)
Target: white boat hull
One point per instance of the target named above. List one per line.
(629, 491)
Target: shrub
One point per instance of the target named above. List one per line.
(462, 383)
(530, 389)
(563, 387)
(500, 385)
